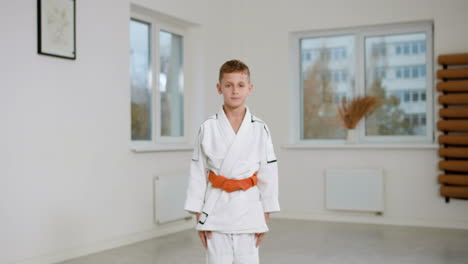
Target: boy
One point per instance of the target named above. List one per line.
(233, 183)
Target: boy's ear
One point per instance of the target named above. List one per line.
(218, 86)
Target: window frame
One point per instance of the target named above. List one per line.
(158, 142)
(360, 33)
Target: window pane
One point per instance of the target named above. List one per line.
(407, 96)
(423, 96)
(396, 117)
(407, 71)
(415, 72)
(423, 46)
(414, 47)
(423, 71)
(171, 84)
(406, 48)
(140, 80)
(325, 78)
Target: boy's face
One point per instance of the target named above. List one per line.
(235, 87)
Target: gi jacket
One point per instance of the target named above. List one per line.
(236, 156)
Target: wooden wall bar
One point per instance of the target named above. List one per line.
(453, 123)
(453, 139)
(461, 112)
(454, 99)
(453, 86)
(453, 59)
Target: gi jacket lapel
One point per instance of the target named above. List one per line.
(237, 143)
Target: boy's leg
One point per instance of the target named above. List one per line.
(245, 251)
(220, 249)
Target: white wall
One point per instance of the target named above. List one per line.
(262, 31)
(69, 183)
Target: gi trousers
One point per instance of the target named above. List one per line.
(231, 249)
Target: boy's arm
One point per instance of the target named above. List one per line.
(268, 175)
(197, 178)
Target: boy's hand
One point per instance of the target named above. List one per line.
(203, 234)
(259, 236)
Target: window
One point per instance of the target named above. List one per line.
(157, 80)
(398, 49)
(344, 76)
(407, 97)
(406, 48)
(415, 72)
(422, 71)
(423, 96)
(141, 95)
(422, 46)
(321, 80)
(406, 72)
(171, 84)
(390, 62)
(415, 120)
(414, 47)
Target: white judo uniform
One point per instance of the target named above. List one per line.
(235, 156)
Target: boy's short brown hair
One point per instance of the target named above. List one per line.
(233, 66)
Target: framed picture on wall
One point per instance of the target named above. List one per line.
(56, 29)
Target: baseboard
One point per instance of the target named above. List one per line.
(67, 254)
(369, 218)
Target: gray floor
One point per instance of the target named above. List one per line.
(295, 241)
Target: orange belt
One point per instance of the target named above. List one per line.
(230, 185)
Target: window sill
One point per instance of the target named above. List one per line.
(160, 147)
(360, 146)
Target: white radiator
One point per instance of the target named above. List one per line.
(355, 189)
(169, 198)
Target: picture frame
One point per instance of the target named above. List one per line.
(56, 28)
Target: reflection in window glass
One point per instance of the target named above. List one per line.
(171, 84)
(395, 117)
(140, 80)
(326, 77)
